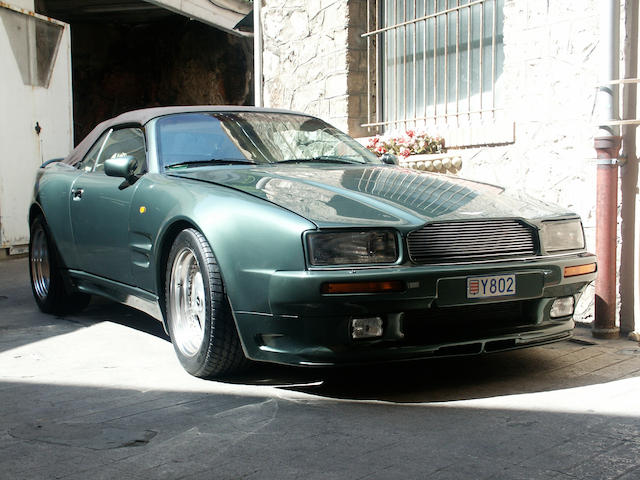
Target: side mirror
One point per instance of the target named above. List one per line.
(389, 159)
(120, 166)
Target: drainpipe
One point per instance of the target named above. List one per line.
(630, 222)
(607, 145)
(257, 53)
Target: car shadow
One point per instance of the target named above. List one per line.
(104, 310)
(431, 380)
(537, 369)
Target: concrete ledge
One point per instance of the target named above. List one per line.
(17, 251)
(437, 162)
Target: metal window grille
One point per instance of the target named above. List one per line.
(433, 61)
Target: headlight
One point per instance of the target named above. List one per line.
(559, 235)
(352, 247)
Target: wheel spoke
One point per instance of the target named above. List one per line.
(188, 302)
(39, 260)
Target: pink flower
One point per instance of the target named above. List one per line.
(411, 133)
(373, 141)
(381, 149)
(405, 152)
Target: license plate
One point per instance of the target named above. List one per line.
(491, 286)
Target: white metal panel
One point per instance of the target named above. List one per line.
(26, 4)
(223, 14)
(23, 150)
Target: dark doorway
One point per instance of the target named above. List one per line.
(148, 56)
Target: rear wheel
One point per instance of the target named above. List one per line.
(47, 283)
(199, 318)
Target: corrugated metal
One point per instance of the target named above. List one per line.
(459, 241)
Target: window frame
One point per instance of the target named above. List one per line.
(101, 143)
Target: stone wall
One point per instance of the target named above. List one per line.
(314, 59)
(549, 82)
(549, 79)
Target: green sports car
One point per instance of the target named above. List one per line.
(269, 235)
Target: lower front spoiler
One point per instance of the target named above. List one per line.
(304, 344)
(457, 350)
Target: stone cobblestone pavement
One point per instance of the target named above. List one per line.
(100, 395)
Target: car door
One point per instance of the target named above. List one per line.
(100, 206)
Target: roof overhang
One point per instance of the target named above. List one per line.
(221, 14)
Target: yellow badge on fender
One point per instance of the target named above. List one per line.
(143, 209)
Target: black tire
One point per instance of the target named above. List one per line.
(199, 319)
(47, 283)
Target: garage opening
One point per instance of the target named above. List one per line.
(129, 54)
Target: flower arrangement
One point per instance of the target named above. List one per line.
(403, 144)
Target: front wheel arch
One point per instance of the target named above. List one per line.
(199, 318)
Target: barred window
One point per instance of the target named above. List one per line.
(434, 62)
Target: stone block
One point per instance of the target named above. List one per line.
(270, 63)
(559, 10)
(336, 85)
(357, 83)
(340, 122)
(338, 106)
(306, 94)
(537, 13)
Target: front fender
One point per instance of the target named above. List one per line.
(249, 237)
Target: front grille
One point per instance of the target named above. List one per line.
(471, 240)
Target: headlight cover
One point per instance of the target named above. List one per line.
(562, 235)
(353, 247)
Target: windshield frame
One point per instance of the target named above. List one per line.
(365, 157)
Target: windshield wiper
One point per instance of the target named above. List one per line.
(320, 159)
(211, 161)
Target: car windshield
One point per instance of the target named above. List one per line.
(240, 138)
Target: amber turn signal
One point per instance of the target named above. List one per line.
(579, 270)
(362, 287)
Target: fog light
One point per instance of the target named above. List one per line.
(366, 327)
(562, 307)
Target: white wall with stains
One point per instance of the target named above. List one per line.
(23, 105)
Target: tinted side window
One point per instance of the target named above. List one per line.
(126, 141)
(89, 161)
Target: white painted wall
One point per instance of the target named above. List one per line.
(23, 150)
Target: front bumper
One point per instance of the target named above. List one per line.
(431, 317)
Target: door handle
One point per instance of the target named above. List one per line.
(76, 194)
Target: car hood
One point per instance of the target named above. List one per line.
(372, 195)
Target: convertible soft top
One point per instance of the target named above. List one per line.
(142, 116)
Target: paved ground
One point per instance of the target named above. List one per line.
(101, 395)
